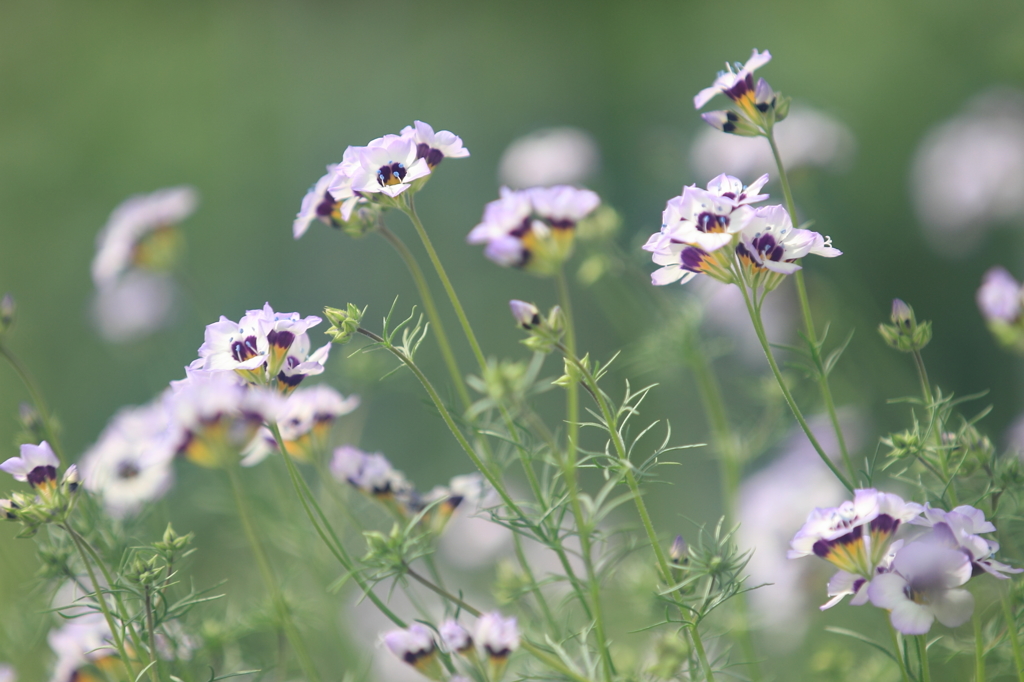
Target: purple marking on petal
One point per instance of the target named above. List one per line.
(326, 207)
(244, 349)
(281, 339)
(41, 475)
(883, 523)
(822, 548)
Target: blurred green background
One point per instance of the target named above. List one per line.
(247, 101)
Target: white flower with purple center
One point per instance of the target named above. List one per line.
(739, 86)
(699, 218)
(130, 464)
(36, 466)
(922, 586)
(388, 165)
(82, 641)
(959, 529)
(140, 232)
(534, 228)
(854, 536)
(999, 297)
(770, 242)
(434, 147)
(370, 473)
(305, 422)
(499, 636)
(236, 346)
(415, 645)
(318, 204)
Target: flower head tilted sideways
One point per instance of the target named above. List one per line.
(769, 244)
(758, 106)
(50, 501)
(533, 229)
(854, 537)
(959, 529)
(141, 233)
(416, 646)
(305, 422)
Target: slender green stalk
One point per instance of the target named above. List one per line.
(269, 581)
(698, 646)
(37, 399)
(155, 671)
(410, 210)
(1011, 631)
(755, 317)
(898, 650)
(101, 600)
(535, 587)
(979, 650)
(805, 311)
(922, 654)
(929, 398)
(332, 541)
(431, 309)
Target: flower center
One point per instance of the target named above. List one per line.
(433, 156)
(391, 173)
(243, 349)
(711, 222)
(128, 470)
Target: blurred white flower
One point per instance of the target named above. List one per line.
(134, 306)
(79, 642)
(726, 313)
(968, 172)
(773, 504)
(807, 137)
(550, 156)
(7, 673)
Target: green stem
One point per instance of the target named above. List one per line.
(755, 317)
(37, 399)
(329, 537)
(698, 645)
(721, 433)
(101, 600)
(534, 587)
(979, 650)
(155, 672)
(410, 210)
(805, 311)
(1011, 630)
(898, 650)
(572, 407)
(269, 581)
(929, 399)
(922, 654)
(431, 309)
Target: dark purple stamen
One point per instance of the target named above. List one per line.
(390, 174)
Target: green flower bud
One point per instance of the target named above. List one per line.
(906, 334)
(344, 323)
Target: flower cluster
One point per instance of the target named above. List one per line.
(758, 107)
(373, 475)
(51, 501)
(533, 228)
(715, 231)
(917, 581)
(495, 636)
(382, 170)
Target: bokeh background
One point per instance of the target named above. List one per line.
(247, 101)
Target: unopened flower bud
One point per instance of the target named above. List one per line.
(7, 310)
(456, 638)
(906, 333)
(71, 478)
(526, 314)
(344, 323)
(902, 315)
(677, 553)
(729, 121)
(416, 647)
(781, 107)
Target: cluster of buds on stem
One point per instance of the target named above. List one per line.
(905, 333)
(51, 501)
(544, 332)
(344, 323)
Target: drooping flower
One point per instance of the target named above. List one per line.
(533, 229)
(455, 637)
(369, 473)
(922, 586)
(999, 297)
(959, 529)
(319, 204)
(526, 314)
(739, 86)
(415, 645)
(305, 421)
(388, 165)
(37, 466)
(854, 536)
(770, 242)
(434, 147)
(130, 463)
(140, 233)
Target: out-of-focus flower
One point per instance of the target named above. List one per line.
(844, 583)
(388, 165)
(82, 642)
(214, 416)
(134, 306)
(526, 314)
(37, 465)
(498, 637)
(130, 463)
(7, 673)
(369, 473)
(923, 586)
(808, 138)
(434, 147)
(533, 228)
(455, 637)
(959, 529)
(551, 156)
(854, 536)
(320, 204)
(701, 218)
(999, 297)
(140, 233)
(968, 172)
(415, 645)
(305, 421)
